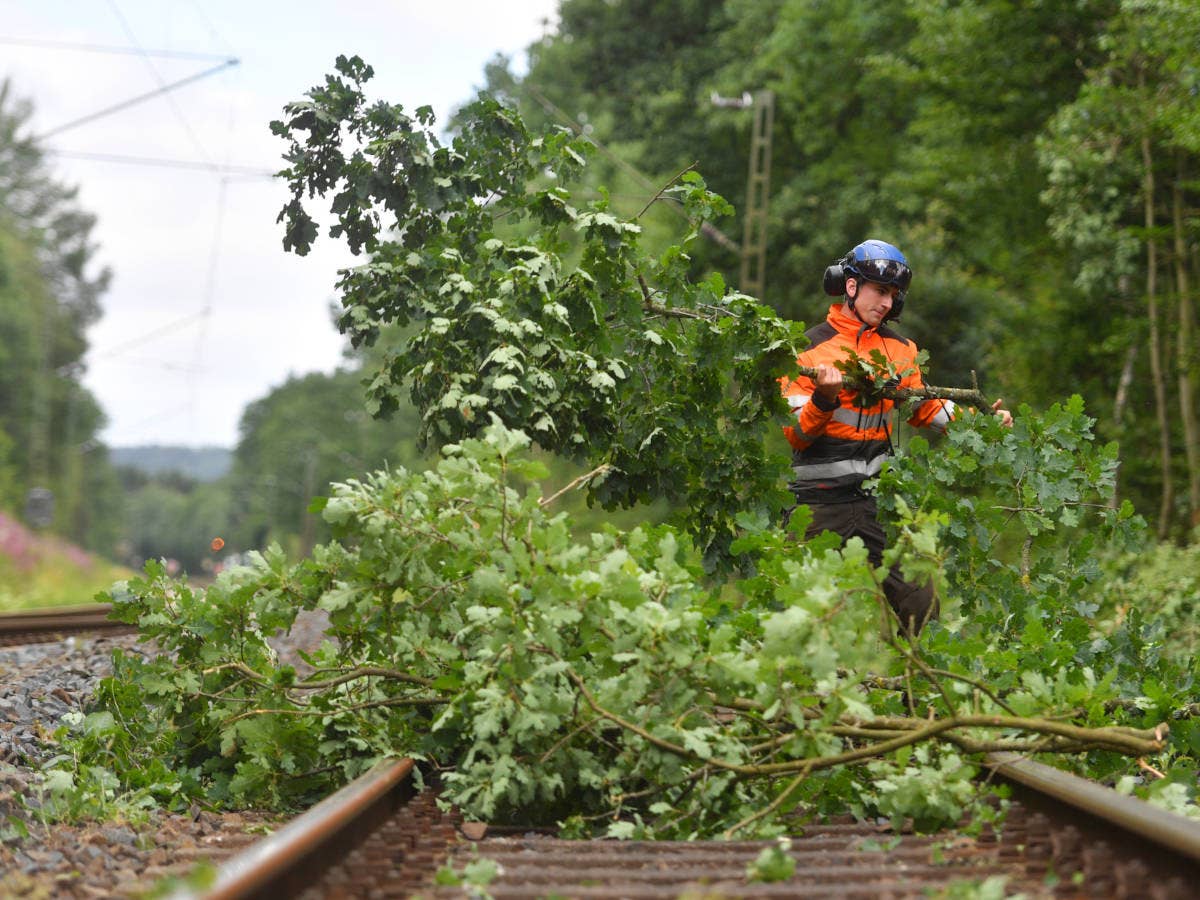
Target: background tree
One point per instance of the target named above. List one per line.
(308, 432)
(175, 520)
(939, 127)
(49, 290)
(1121, 194)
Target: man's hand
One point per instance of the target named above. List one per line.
(829, 383)
(1005, 416)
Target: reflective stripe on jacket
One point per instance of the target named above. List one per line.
(834, 450)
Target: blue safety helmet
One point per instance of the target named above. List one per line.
(871, 260)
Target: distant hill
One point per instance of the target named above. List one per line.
(199, 463)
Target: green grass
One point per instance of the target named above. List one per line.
(39, 569)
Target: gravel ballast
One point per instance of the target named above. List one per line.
(39, 684)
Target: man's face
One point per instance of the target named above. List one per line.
(873, 301)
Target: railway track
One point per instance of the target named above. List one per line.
(381, 837)
(51, 624)
(1063, 837)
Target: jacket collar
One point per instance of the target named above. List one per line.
(849, 326)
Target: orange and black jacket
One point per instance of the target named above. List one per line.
(835, 448)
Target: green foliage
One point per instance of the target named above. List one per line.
(83, 783)
(200, 877)
(596, 359)
(428, 577)
(606, 679)
(1176, 793)
(1020, 532)
(463, 615)
(1161, 581)
(994, 887)
(625, 681)
(1020, 548)
(774, 863)
(929, 791)
(475, 875)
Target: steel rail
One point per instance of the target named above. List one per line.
(29, 624)
(293, 858)
(1172, 834)
(335, 832)
(53, 616)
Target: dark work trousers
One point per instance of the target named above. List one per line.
(914, 604)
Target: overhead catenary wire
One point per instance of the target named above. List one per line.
(145, 338)
(170, 97)
(210, 288)
(226, 172)
(162, 90)
(190, 319)
(226, 169)
(111, 49)
(151, 362)
(210, 281)
(201, 13)
(230, 172)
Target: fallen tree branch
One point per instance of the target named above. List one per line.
(770, 807)
(338, 710)
(903, 731)
(963, 396)
(362, 672)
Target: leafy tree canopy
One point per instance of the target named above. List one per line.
(615, 358)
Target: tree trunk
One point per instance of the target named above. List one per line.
(1157, 376)
(1186, 345)
(1119, 404)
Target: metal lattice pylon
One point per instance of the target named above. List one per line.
(752, 277)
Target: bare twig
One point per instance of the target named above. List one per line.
(565, 739)
(770, 807)
(239, 667)
(887, 683)
(662, 190)
(647, 296)
(363, 672)
(915, 658)
(339, 710)
(602, 469)
(1146, 767)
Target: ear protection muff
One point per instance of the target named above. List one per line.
(835, 278)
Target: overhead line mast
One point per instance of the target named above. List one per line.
(752, 275)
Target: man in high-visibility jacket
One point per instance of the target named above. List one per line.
(837, 444)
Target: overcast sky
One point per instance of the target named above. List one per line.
(206, 313)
